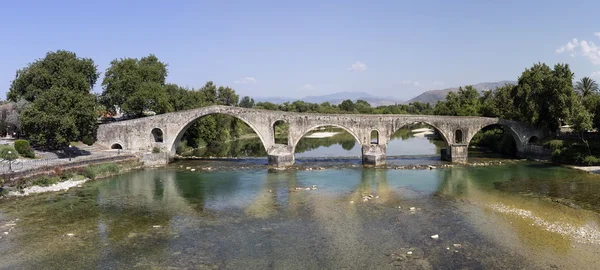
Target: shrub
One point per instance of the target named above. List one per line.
(102, 169)
(590, 161)
(5, 155)
(88, 140)
(23, 148)
(554, 144)
(155, 150)
(45, 181)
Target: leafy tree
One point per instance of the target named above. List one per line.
(362, 106)
(62, 106)
(347, 105)
(59, 116)
(247, 102)
(135, 86)
(227, 96)
(58, 69)
(581, 120)
(586, 86)
(463, 103)
(544, 96)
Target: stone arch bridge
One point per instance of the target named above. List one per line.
(165, 130)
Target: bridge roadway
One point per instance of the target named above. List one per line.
(164, 131)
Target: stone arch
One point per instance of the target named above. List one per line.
(296, 140)
(506, 127)
(374, 137)
(157, 135)
(212, 111)
(533, 139)
(116, 146)
(431, 124)
(459, 136)
(287, 135)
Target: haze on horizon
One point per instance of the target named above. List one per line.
(308, 48)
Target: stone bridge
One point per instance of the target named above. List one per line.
(164, 131)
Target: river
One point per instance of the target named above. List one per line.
(519, 215)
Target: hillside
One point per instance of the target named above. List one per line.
(433, 96)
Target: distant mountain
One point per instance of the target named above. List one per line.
(433, 96)
(336, 98)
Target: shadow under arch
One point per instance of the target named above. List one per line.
(190, 122)
(507, 129)
(313, 128)
(407, 131)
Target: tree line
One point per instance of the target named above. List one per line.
(57, 105)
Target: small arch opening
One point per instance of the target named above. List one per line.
(116, 146)
(374, 137)
(281, 131)
(157, 134)
(533, 140)
(458, 136)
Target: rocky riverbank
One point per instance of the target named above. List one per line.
(60, 186)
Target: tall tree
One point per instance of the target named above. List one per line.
(544, 96)
(62, 106)
(58, 69)
(247, 102)
(135, 86)
(581, 120)
(586, 86)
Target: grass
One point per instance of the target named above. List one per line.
(101, 170)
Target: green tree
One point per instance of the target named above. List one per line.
(135, 86)
(59, 116)
(247, 102)
(465, 102)
(62, 106)
(581, 120)
(227, 96)
(58, 69)
(586, 86)
(544, 96)
(347, 105)
(362, 106)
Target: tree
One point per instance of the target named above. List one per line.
(135, 86)
(62, 106)
(544, 96)
(58, 69)
(247, 102)
(60, 116)
(465, 102)
(362, 106)
(227, 96)
(347, 105)
(586, 86)
(581, 120)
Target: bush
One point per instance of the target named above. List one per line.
(45, 181)
(590, 161)
(88, 140)
(554, 144)
(23, 148)
(155, 150)
(92, 172)
(4, 152)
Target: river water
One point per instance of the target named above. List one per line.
(519, 215)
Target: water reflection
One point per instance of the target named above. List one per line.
(411, 140)
(171, 217)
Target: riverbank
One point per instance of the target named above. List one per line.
(590, 169)
(62, 179)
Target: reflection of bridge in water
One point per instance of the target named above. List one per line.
(372, 132)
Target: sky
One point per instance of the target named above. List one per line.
(300, 48)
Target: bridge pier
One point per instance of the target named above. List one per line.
(456, 153)
(373, 154)
(281, 160)
(281, 155)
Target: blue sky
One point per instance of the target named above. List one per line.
(299, 48)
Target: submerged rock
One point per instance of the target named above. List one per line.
(435, 236)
